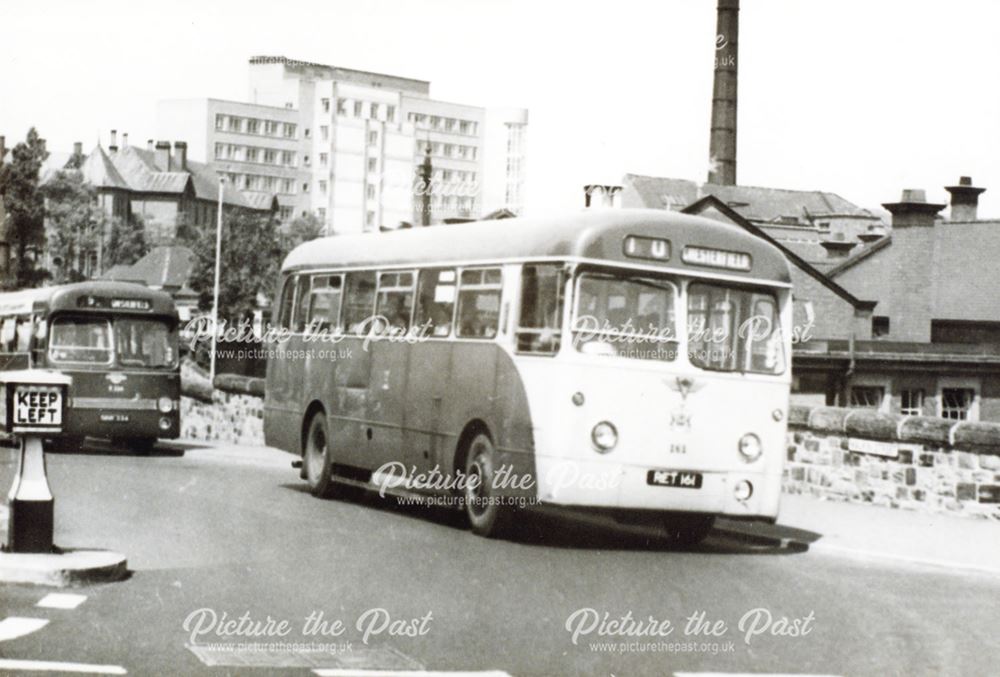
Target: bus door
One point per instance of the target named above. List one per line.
(282, 420)
(390, 359)
(430, 374)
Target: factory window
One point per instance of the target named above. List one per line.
(322, 187)
(373, 138)
(289, 130)
(449, 124)
(373, 111)
(357, 109)
(321, 213)
(372, 164)
(463, 127)
(288, 158)
(958, 404)
(435, 121)
(288, 186)
(880, 326)
(911, 402)
(390, 113)
(285, 213)
(306, 133)
(326, 105)
(269, 156)
(251, 155)
(253, 126)
(324, 133)
(370, 191)
(341, 106)
(220, 121)
(270, 127)
(867, 397)
(323, 159)
(220, 151)
(305, 187)
(370, 218)
(235, 123)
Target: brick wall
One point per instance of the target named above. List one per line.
(916, 462)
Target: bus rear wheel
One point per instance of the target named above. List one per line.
(486, 513)
(688, 529)
(318, 461)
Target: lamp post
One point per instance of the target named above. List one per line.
(218, 266)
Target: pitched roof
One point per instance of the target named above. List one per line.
(859, 256)
(793, 258)
(163, 267)
(100, 172)
(754, 203)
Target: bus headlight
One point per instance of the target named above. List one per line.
(604, 436)
(165, 423)
(750, 447)
(165, 405)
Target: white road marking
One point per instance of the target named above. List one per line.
(13, 627)
(54, 666)
(342, 672)
(61, 600)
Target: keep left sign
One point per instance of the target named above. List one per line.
(37, 405)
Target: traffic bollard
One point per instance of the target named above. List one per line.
(32, 405)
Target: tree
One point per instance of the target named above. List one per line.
(126, 242)
(301, 229)
(251, 258)
(25, 211)
(75, 227)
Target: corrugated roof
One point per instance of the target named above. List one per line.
(755, 203)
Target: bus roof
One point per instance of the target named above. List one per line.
(697, 245)
(98, 296)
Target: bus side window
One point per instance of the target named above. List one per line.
(8, 334)
(540, 323)
(435, 301)
(479, 303)
(287, 301)
(24, 329)
(359, 301)
(301, 305)
(324, 302)
(395, 298)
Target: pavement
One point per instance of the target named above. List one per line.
(878, 533)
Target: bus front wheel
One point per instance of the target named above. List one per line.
(688, 529)
(318, 461)
(487, 514)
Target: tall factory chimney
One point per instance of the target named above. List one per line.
(722, 143)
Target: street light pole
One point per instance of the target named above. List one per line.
(218, 266)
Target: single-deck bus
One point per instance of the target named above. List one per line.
(632, 362)
(119, 343)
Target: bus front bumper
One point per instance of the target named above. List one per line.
(116, 422)
(602, 484)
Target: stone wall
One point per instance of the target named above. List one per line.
(910, 462)
(229, 419)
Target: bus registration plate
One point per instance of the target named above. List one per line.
(674, 478)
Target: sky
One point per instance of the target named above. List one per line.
(857, 97)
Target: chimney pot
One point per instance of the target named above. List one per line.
(77, 148)
(114, 137)
(964, 199)
(913, 209)
(149, 144)
(124, 139)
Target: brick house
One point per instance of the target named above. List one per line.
(935, 334)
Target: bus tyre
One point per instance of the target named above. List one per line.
(141, 445)
(486, 515)
(318, 461)
(688, 529)
(65, 444)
